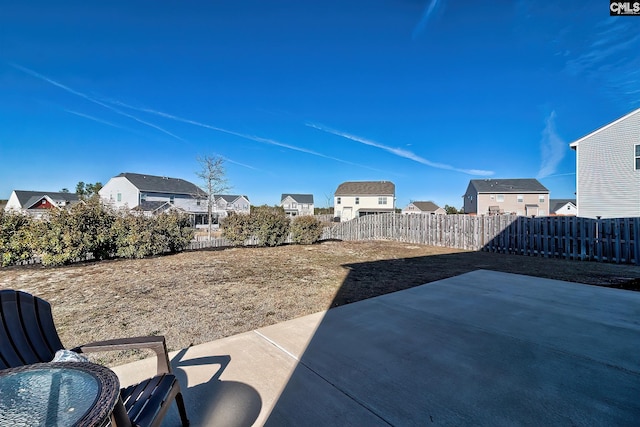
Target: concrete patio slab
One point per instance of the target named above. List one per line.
(483, 348)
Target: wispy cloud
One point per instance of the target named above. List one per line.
(95, 119)
(552, 146)
(430, 8)
(241, 135)
(399, 152)
(610, 62)
(92, 99)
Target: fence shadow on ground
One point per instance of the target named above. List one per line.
(371, 279)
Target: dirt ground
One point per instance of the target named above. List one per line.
(199, 296)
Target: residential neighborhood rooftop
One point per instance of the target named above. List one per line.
(555, 204)
(162, 184)
(426, 206)
(508, 185)
(361, 188)
(300, 198)
(27, 198)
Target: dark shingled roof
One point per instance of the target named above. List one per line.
(300, 198)
(366, 188)
(163, 184)
(26, 197)
(528, 185)
(229, 198)
(426, 206)
(555, 204)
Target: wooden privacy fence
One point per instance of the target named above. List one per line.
(607, 240)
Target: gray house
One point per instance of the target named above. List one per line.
(608, 169)
(153, 194)
(358, 198)
(425, 208)
(525, 197)
(297, 204)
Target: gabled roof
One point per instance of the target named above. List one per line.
(575, 143)
(299, 198)
(229, 198)
(366, 188)
(28, 198)
(162, 184)
(527, 185)
(557, 204)
(426, 206)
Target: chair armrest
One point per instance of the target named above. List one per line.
(155, 343)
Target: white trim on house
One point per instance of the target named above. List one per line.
(607, 181)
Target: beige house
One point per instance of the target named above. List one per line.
(526, 197)
(358, 198)
(297, 204)
(425, 208)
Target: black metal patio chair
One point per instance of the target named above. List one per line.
(28, 335)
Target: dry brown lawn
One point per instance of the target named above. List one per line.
(195, 297)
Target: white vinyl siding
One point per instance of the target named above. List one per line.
(607, 181)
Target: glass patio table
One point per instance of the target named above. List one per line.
(60, 394)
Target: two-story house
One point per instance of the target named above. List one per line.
(525, 197)
(353, 199)
(608, 169)
(425, 208)
(224, 204)
(38, 203)
(150, 193)
(297, 204)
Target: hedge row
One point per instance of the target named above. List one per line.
(271, 227)
(90, 228)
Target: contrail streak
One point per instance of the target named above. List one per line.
(91, 99)
(400, 152)
(241, 135)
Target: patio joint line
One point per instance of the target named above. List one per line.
(278, 346)
(352, 398)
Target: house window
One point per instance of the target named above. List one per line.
(294, 206)
(541, 198)
(143, 197)
(520, 198)
(119, 197)
(339, 200)
(198, 202)
(172, 199)
(637, 156)
(500, 198)
(382, 200)
(357, 200)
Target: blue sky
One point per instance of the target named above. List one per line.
(299, 96)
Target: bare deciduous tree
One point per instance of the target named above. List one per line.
(213, 175)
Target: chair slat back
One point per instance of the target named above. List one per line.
(27, 331)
